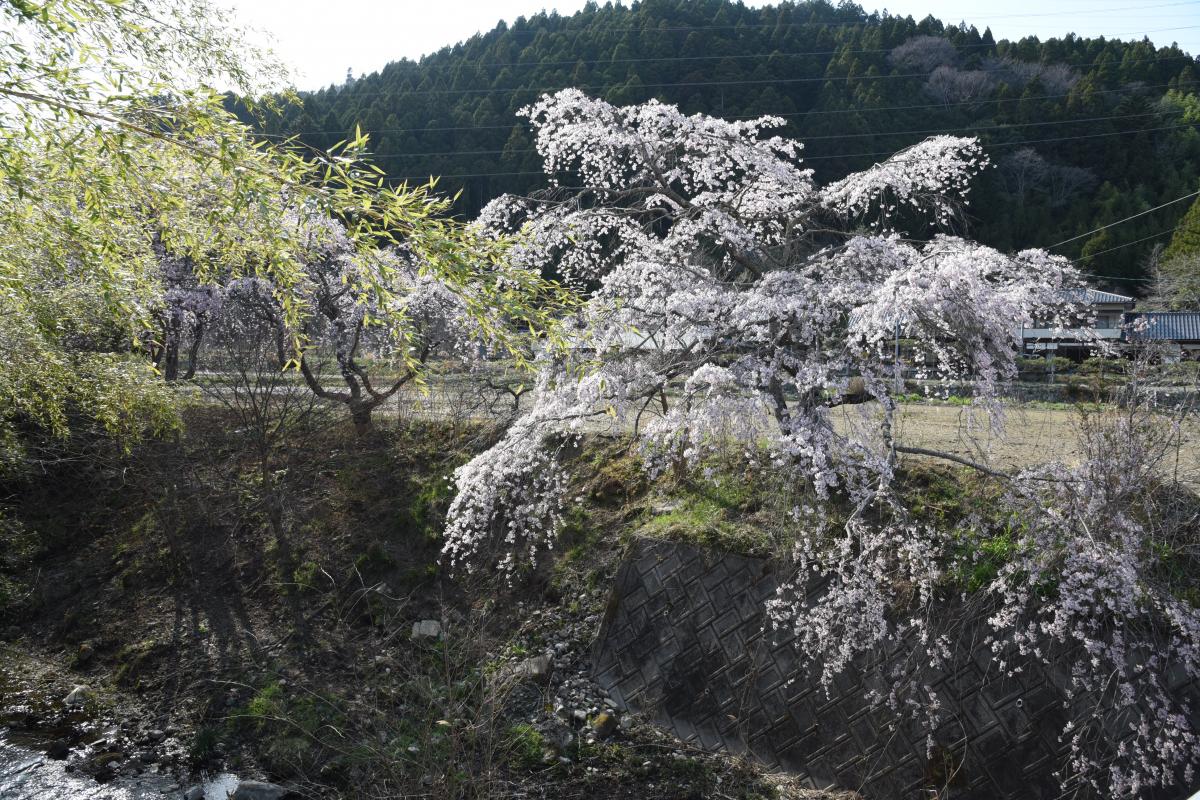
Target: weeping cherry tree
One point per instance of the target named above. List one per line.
(729, 296)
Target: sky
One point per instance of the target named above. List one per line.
(320, 40)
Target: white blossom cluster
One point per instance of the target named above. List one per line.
(931, 175)
(718, 271)
(1084, 591)
(730, 297)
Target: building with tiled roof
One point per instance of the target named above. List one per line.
(1178, 329)
(1108, 311)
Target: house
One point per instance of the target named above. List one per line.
(1177, 331)
(1107, 311)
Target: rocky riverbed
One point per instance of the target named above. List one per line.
(66, 741)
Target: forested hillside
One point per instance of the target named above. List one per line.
(1082, 132)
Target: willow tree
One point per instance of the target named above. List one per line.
(116, 145)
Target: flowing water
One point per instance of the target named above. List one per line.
(27, 773)
(35, 723)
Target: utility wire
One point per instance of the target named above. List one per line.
(742, 82)
(1130, 244)
(820, 158)
(815, 112)
(1120, 221)
(822, 23)
(805, 139)
(731, 56)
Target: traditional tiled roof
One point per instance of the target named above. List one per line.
(1093, 296)
(1160, 326)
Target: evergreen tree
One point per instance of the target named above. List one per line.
(1097, 111)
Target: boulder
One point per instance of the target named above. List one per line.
(427, 629)
(194, 793)
(78, 696)
(535, 669)
(258, 790)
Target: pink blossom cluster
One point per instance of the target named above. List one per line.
(729, 297)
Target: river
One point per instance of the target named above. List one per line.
(27, 773)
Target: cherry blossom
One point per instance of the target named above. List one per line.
(730, 297)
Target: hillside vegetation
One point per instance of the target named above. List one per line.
(1082, 132)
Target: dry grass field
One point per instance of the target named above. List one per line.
(1031, 435)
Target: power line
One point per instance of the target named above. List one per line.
(1128, 244)
(733, 56)
(815, 112)
(1120, 221)
(804, 139)
(818, 24)
(818, 158)
(741, 82)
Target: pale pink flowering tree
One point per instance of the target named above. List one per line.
(375, 342)
(724, 284)
(729, 295)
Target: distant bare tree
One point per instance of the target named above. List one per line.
(1026, 171)
(950, 85)
(924, 53)
(1176, 284)
(1023, 171)
(1055, 78)
(1066, 182)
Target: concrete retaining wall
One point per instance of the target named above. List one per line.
(683, 642)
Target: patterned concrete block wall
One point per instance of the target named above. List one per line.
(683, 642)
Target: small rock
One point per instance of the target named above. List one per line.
(84, 654)
(258, 790)
(535, 669)
(579, 716)
(427, 629)
(604, 724)
(626, 723)
(563, 739)
(58, 749)
(155, 735)
(104, 761)
(78, 696)
(194, 793)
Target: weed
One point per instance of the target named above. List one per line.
(305, 576)
(526, 746)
